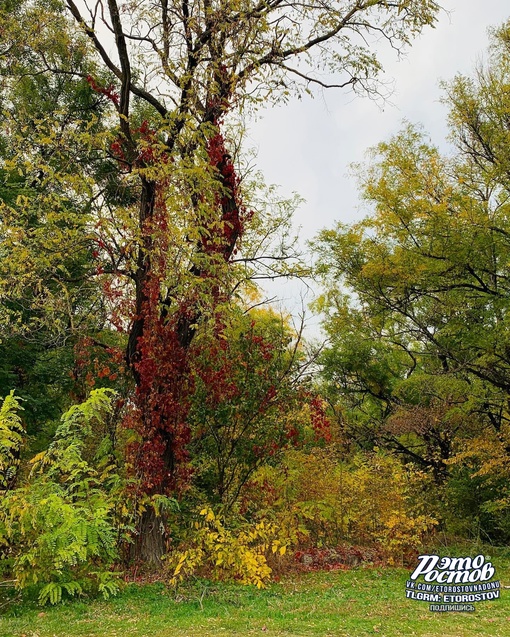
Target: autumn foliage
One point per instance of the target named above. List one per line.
(201, 434)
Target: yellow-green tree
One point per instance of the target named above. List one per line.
(420, 333)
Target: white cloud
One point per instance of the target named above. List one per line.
(308, 145)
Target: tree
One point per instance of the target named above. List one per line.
(51, 295)
(249, 384)
(167, 237)
(420, 341)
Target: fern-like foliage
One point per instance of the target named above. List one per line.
(11, 439)
(65, 456)
(62, 525)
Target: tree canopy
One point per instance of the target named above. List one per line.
(417, 293)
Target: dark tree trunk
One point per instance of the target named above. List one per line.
(147, 206)
(150, 545)
(156, 392)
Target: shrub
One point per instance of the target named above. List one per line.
(238, 553)
(59, 529)
(318, 500)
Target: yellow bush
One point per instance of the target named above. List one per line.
(316, 499)
(313, 499)
(227, 554)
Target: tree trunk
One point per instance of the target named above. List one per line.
(150, 545)
(146, 212)
(159, 341)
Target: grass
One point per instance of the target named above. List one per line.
(339, 603)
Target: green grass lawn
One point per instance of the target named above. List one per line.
(355, 603)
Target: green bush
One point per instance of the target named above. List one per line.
(59, 530)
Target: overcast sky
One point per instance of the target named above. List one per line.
(307, 146)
